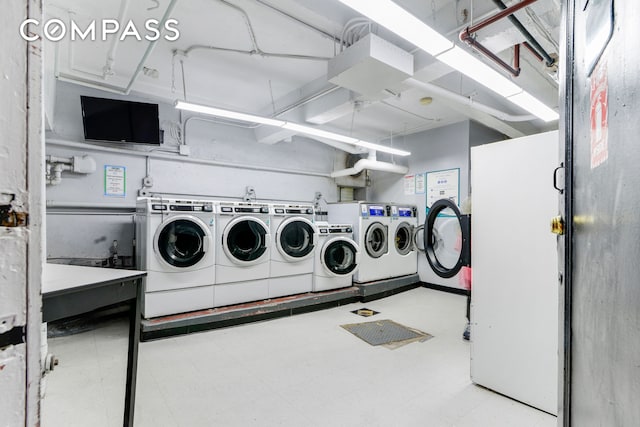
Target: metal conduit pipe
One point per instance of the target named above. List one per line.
(99, 148)
(113, 88)
(431, 88)
(256, 52)
(532, 41)
(107, 70)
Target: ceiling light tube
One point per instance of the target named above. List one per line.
(228, 114)
(308, 130)
(382, 148)
(474, 68)
(397, 20)
(535, 106)
(294, 127)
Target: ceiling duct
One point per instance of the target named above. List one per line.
(370, 66)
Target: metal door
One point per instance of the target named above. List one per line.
(447, 238)
(601, 286)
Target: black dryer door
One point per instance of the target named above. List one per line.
(447, 238)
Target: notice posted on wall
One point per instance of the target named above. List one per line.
(420, 183)
(409, 185)
(444, 184)
(115, 181)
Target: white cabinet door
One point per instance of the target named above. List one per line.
(514, 312)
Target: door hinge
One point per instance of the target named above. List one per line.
(14, 336)
(11, 218)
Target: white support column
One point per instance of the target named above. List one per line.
(21, 216)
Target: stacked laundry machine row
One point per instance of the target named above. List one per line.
(201, 254)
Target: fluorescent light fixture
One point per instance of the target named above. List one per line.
(299, 129)
(474, 68)
(382, 148)
(534, 105)
(228, 114)
(397, 20)
(308, 130)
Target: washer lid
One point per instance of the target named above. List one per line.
(376, 240)
(182, 241)
(340, 256)
(245, 240)
(296, 238)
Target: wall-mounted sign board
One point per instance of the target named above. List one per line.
(444, 184)
(115, 181)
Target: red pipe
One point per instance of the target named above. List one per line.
(465, 36)
(498, 16)
(533, 51)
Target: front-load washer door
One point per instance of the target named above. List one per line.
(340, 256)
(296, 238)
(446, 238)
(404, 238)
(245, 240)
(376, 240)
(182, 241)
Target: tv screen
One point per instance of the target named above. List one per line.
(122, 121)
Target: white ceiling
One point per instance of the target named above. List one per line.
(266, 84)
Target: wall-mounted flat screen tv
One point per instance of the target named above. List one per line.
(120, 121)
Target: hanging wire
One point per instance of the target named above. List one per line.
(184, 84)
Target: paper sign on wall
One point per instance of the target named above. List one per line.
(443, 184)
(599, 116)
(115, 181)
(420, 183)
(409, 185)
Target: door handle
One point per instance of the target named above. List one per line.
(555, 178)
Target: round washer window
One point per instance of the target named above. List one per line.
(181, 243)
(340, 257)
(296, 239)
(246, 240)
(376, 240)
(403, 238)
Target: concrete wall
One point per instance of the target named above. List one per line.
(224, 160)
(447, 147)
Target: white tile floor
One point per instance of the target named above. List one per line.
(303, 370)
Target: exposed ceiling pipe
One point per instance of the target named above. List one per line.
(467, 35)
(351, 149)
(530, 39)
(371, 164)
(117, 89)
(254, 52)
(434, 89)
(107, 70)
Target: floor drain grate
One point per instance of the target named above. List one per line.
(386, 332)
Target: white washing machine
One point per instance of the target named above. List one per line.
(175, 244)
(295, 240)
(371, 232)
(243, 252)
(337, 257)
(404, 247)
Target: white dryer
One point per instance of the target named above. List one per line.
(404, 247)
(295, 241)
(337, 257)
(175, 245)
(371, 232)
(243, 252)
